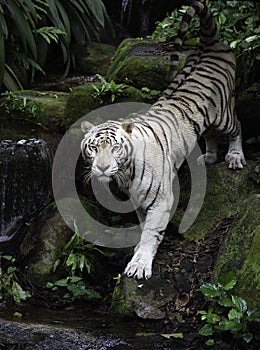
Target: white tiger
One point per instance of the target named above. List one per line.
(144, 154)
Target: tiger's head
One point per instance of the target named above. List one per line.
(106, 148)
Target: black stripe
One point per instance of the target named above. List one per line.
(154, 199)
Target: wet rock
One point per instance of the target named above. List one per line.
(82, 102)
(46, 237)
(240, 252)
(25, 186)
(145, 298)
(16, 335)
(94, 58)
(143, 63)
(43, 245)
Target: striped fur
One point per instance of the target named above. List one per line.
(144, 154)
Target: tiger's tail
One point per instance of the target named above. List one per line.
(208, 32)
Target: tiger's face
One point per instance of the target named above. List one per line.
(105, 147)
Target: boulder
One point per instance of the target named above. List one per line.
(225, 193)
(45, 108)
(45, 239)
(240, 252)
(43, 245)
(81, 101)
(143, 63)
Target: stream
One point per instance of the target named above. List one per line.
(75, 327)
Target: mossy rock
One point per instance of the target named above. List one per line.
(41, 107)
(143, 63)
(144, 299)
(44, 242)
(94, 58)
(240, 252)
(225, 193)
(81, 102)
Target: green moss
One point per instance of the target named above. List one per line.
(143, 71)
(225, 194)
(138, 61)
(81, 102)
(249, 276)
(120, 304)
(44, 108)
(240, 252)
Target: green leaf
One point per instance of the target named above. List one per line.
(61, 283)
(92, 294)
(25, 32)
(234, 315)
(206, 330)
(239, 303)
(230, 325)
(253, 315)
(18, 293)
(75, 279)
(225, 301)
(82, 262)
(247, 337)
(10, 80)
(210, 342)
(173, 335)
(210, 290)
(228, 280)
(97, 9)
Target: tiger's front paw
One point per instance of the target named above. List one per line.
(235, 159)
(140, 266)
(207, 158)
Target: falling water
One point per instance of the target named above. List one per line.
(25, 177)
(126, 8)
(135, 16)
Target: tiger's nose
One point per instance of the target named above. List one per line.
(103, 168)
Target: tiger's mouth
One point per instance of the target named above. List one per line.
(104, 178)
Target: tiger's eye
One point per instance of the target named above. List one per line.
(116, 147)
(93, 148)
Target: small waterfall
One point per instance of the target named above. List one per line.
(25, 178)
(125, 14)
(135, 16)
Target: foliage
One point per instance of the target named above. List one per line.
(255, 175)
(20, 106)
(226, 313)
(10, 287)
(28, 27)
(150, 95)
(108, 90)
(238, 27)
(78, 259)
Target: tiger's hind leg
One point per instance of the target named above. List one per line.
(210, 156)
(235, 156)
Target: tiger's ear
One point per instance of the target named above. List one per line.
(128, 126)
(86, 126)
